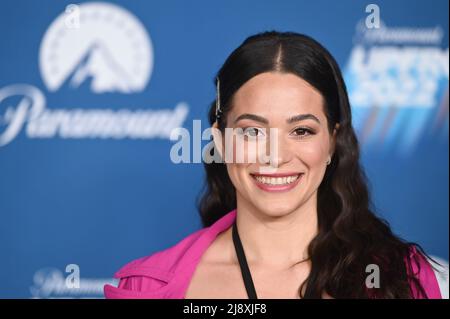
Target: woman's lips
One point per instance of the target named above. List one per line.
(276, 182)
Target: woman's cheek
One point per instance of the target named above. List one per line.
(251, 153)
(240, 151)
(235, 172)
(313, 154)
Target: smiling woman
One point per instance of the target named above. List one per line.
(297, 224)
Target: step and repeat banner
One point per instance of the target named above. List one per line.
(90, 92)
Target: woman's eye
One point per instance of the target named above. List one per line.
(253, 132)
(302, 132)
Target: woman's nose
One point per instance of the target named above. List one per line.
(278, 149)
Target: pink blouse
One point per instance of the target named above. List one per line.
(167, 274)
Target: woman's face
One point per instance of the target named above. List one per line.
(295, 109)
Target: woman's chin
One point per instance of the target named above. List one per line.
(274, 211)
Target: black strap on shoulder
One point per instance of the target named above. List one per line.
(246, 275)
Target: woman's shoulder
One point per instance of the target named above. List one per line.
(150, 273)
(161, 274)
(432, 276)
(164, 259)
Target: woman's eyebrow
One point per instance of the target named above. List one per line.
(263, 120)
(301, 117)
(253, 117)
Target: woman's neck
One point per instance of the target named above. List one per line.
(279, 242)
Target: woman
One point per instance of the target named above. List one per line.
(294, 224)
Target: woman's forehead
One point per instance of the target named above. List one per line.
(277, 96)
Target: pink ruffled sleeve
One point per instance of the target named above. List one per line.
(423, 270)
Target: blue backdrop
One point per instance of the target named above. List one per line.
(89, 93)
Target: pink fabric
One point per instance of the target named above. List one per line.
(167, 274)
(424, 272)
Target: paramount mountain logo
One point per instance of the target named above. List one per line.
(107, 50)
(108, 44)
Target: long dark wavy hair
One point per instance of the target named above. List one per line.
(350, 235)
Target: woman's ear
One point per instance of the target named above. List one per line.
(333, 139)
(217, 138)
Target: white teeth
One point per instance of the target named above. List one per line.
(276, 180)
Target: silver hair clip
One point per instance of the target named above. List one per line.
(218, 109)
